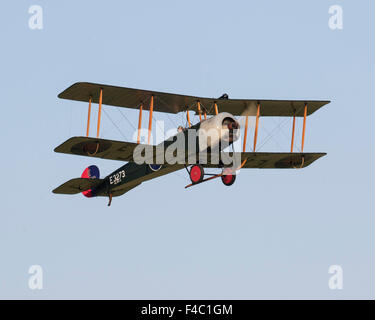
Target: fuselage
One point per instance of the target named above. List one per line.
(217, 133)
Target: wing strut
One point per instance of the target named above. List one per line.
(139, 123)
(293, 130)
(256, 127)
(199, 111)
(99, 112)
(245, 137)
(150, 118)
(216, 110)
(188, 117)
(304, 127)
(88, 118)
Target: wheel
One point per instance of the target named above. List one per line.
(196, 173)
(228, 177)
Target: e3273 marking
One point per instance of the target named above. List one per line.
(117, 177)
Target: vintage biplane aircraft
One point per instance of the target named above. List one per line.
(224, 123)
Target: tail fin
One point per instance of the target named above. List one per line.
(91, 172)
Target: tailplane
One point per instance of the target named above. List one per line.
(86, 184)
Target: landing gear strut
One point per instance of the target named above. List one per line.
(196, 173)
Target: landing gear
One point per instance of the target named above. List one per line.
(196, 173)
(228, 177)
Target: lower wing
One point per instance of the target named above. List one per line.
(268, 160)
(123, 151)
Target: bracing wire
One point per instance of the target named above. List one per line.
(114, 124)
(126, 119)
(271, 134)
(278, 127)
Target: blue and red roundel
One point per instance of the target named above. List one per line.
(155, 167)
(91, 172)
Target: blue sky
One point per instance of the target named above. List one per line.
(273, 234)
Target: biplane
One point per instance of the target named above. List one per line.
(184, 150)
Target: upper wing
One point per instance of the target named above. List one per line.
(268, 160)
(174, 103)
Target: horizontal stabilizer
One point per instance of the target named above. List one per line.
(77, 185)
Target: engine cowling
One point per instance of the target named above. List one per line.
(222, 128)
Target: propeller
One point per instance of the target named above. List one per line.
(250, 110)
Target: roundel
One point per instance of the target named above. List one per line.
(91, 172)
(155, 167)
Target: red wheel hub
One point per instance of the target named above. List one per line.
(196, 173)
(228, 177)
